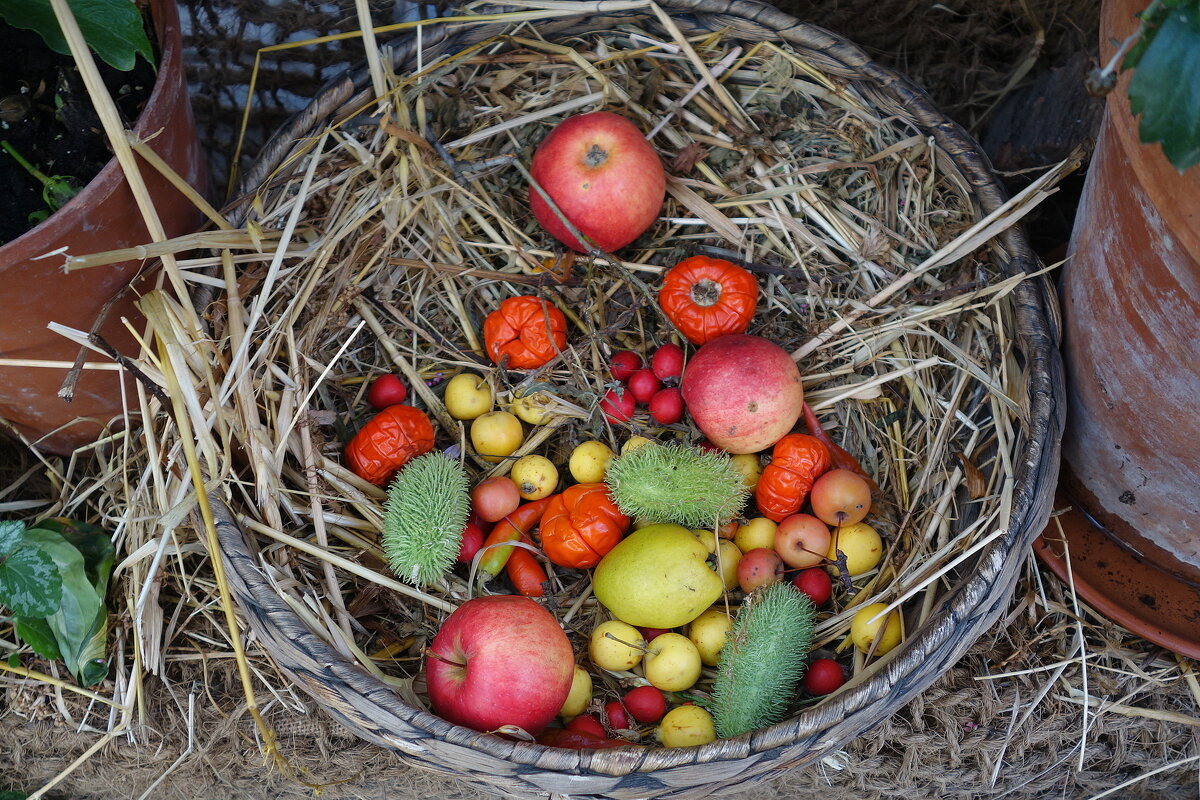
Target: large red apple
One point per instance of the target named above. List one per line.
(743, 392)
(604, 177)
(500, 660)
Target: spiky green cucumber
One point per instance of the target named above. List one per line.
(425, 513)
(674, 483)
(763, 661)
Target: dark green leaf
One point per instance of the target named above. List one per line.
(10, 536)
(13, 795)
(112, 28)
(81, 618)
(36, 633)
(1165, 89)
(92, 542)
(29, 583)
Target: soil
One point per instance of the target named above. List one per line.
(47, 116)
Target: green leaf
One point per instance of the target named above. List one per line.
(13, 795)
(81, 620)
(112, 28)
(29, 583)
(36, 633)
(1165, 89)
(10, 535)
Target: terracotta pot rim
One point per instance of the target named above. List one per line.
(165, 16)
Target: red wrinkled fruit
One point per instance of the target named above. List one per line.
(642, 385)
(618, 406)
(824, 676)
(667, 362)
(387, 390)
(624, 364)
(666, 406)
(646, 703)
(815, 583)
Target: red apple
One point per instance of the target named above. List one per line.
(387, 390)
(642, 385)
(587, 723)
(649, 633)
(815, 583)
(841, 497)
(761, 566)
(618, 405)
(604, 177)
(802, 540)
(666, 406)
(618, 717)
(500, 660)
(824, 676)
(743, 392)
(646, 703)
(623, 364)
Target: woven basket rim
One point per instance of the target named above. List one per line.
(971, 606)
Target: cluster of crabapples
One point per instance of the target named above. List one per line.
(655, 386)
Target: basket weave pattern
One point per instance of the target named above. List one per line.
(377, 714)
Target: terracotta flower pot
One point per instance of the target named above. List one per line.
(103, 216)
(1131, 305)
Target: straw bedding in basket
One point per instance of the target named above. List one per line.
(376, 239)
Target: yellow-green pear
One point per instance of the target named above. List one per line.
(657, 577)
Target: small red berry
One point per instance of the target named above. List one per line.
(643, 385)
(824, 676)
(472, 540)
(667, 362)
(618, 406)
(646, 703)
(387, 390)
(666, 406)
(815, 583)
(624, 364)
(618, 717)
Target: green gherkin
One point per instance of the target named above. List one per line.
(672, 483)
(425, 513)
(763, 661)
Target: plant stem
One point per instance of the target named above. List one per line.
(30, 168)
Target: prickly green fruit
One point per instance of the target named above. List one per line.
(763, 661)
(672, 483)
(425, 514)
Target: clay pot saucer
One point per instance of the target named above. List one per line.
(1160, 606)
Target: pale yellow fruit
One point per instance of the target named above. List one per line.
(589, 462)
(728, 557)
(758, 532)
(709, 632)
(860, 543)
(532, 408)
(633, 443)
(748, 466)
(687, 726)
(468, 396)
(496, 434)
(863, 630)
(620, 651)
(657, 577)
(580, 694)
(535, 476)
(708, 539)
(673, 663)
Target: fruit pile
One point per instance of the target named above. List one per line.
(712, 547)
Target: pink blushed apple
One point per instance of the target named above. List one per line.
(500, 660)
(743, 392)
(604, 177)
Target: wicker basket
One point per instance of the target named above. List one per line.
(377, 714)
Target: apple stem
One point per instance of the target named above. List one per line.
(628, 644)
(429, 652)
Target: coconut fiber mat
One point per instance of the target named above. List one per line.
(1054, 701)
